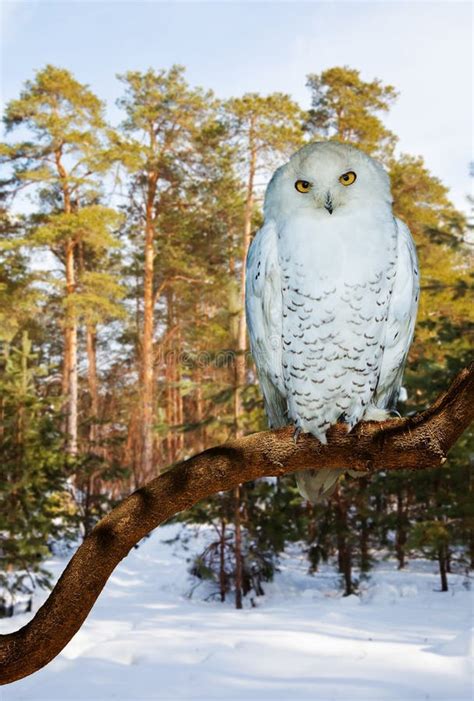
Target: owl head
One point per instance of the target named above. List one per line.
(325, 179)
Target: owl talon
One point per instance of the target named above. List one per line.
(296, 434)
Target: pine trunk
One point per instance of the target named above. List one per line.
(222, 578)
(448, 561)
(199, 415)
(364, 527)
(471, 548)
(348, 588)
(238, 549)
(178, 398)
(343, 546)
(70, 359)
(86, 493)
(242, 330)
(147, 348)
(442, 567)
(240, 362)
(91, 342)
(364, 546)
(69, 380)
(401, 536)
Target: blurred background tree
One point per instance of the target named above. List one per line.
(122, 331)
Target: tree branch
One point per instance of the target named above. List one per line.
(416, 443)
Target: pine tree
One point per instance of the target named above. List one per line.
(62, 161)
(346, 108)
(163, 115)
(32, 484)
(266, 129)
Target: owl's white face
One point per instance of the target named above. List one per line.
(325, 179)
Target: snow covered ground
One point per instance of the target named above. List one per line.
(146, 639)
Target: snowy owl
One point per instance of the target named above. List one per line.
(331, 296)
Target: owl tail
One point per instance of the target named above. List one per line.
(317, 485)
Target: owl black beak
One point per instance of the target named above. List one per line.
(328, 202)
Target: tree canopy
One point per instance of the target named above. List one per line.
(122, 337)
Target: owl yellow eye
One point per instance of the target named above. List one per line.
(348, 178)
(303, 186)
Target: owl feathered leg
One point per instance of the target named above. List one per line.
(317, 485)
(313, 485)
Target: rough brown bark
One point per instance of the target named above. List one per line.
(92, 381)
(344, 547)
(222, 576)
(401, 536)
(364, 527)
(147, 346)
(238, 548)
(242, 329)
(240, 364)
(70, 362)
(199, 412)
(417, 443)
(69, 382)
(147, 364)
(442, 567)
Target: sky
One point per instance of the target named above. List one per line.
(422, 48)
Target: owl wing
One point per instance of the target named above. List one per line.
(400, 321)
(264, 320)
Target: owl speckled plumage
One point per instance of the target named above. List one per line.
(331, 296)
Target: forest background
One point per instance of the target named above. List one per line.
(122, 331)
